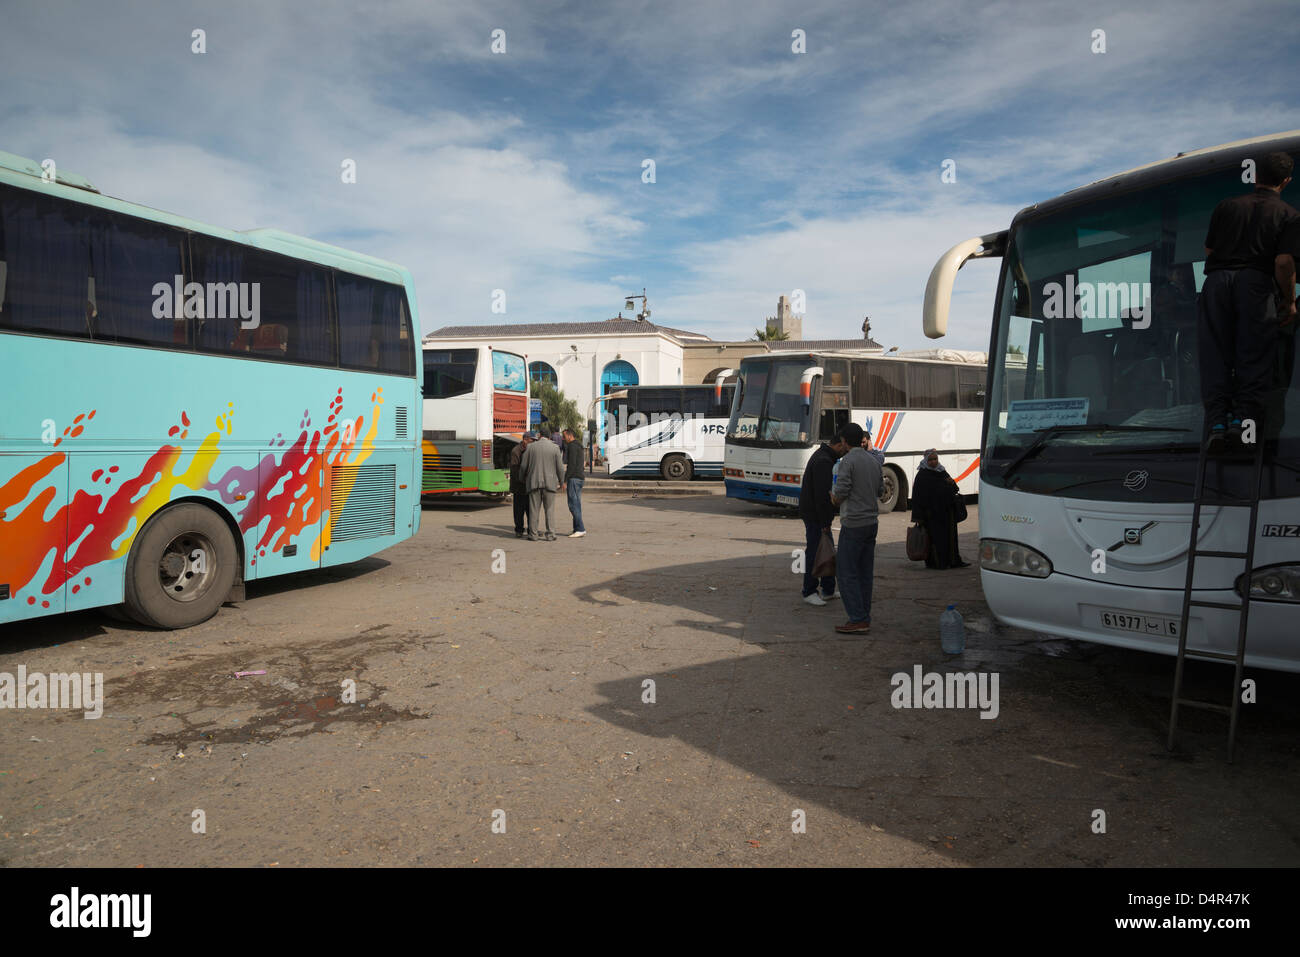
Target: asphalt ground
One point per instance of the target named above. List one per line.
(518, 698)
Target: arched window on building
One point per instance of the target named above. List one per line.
(713, 376)
(542, 372)
(618, 374)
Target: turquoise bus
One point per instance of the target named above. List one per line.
(187, 408)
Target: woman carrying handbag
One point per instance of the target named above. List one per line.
(937, 507)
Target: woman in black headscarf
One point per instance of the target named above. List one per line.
(934, 506)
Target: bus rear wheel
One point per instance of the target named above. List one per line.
(890, 483)
(676, 468)
(181, 568)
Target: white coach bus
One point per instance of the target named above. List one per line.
(1093, 427)
(787, 403)
(675, 432)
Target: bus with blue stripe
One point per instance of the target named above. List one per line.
(188, 408)
(787, 403)
(673, 432)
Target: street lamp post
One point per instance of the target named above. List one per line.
(644, 314)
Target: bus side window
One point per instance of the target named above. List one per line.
(45, 246)
(373, 323)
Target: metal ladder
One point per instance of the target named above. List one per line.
(1242, 609)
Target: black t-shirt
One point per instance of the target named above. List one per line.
(1248, 232)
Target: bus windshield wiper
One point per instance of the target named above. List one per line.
(1052, 431)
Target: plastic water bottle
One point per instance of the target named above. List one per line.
(952, 632)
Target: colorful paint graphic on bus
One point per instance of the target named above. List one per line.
(284, 495)
(889, 423)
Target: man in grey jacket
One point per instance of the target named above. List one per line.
(543, 471)
(856, 492)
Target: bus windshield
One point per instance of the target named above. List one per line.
(1095, 348)
(770, 412)
(449, 373)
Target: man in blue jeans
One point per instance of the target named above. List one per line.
(856, 492)
(574, 474)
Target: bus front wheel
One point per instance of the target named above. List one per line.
(181, 567)
(890, 483)
(676, 468)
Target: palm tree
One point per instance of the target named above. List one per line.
(770, 334)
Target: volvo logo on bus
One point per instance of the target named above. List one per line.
(1136, 480)
(1132, 536)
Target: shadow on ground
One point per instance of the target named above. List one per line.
(1080, 727)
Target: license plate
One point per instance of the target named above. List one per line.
(787, 500)
(1139, 624)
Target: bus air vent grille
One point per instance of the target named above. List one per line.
(363, 501)
(399, 416)
(442, 471)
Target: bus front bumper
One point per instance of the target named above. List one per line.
(1062, 606)
(767, 494)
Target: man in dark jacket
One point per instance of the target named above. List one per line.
(1248, 296)
(518, 490)
(575, 471)
(818, 513)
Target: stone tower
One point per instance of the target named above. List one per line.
(786, 321)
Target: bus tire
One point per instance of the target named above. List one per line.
(676, 468)
(891, 489)
(181, 567)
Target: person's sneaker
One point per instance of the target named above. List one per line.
(533, 538)
(814, 599)
(832, 597)
(518, 534)
(1234, 431)
(1218, 436)
(550, 536)
(854, 628)
(577, 534)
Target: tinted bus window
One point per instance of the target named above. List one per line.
(656, 402)
(133, 290)
(931, 386)
(970, 388)
(886, 389)
(835, 374)
(374, 328)
(449, 373)
(720, 408)
(262, 305)
(44, 264)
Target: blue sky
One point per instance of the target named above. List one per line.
(522, 171)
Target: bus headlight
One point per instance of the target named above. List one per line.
(1272, 583)
(1013, 558)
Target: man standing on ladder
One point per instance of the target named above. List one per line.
(1248, 296)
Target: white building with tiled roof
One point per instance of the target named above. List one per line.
(584, 359)
(588, 359)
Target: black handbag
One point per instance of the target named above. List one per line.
(959, 508)
(918, 543)
(824, 563)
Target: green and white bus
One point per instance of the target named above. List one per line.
(475, 412)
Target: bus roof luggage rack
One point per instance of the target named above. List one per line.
(1243, 608)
